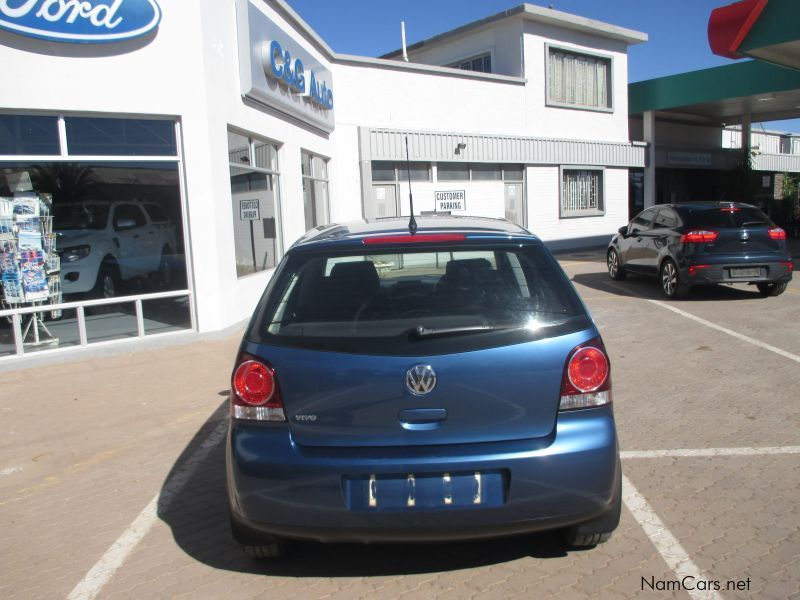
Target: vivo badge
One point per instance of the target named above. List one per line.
(80, 21)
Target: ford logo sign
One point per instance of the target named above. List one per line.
(80, 21)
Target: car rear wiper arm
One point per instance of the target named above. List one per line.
(421, 331)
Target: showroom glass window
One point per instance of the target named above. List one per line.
(387, 177)
(581, 192)
(315, 189)
(255, 201)
(111, 212)
(578, 80)
(386, 171)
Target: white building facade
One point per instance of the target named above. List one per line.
(237, 121)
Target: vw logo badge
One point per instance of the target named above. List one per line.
(745, 236)
(420, 379)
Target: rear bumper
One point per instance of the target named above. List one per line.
(279, 488)
(701, 272)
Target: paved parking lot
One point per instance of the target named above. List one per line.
(111, 472)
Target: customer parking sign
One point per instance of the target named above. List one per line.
(450, 200)
(249, 210)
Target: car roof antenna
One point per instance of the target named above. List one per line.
(412, 223)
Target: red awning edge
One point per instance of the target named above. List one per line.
(729, 25)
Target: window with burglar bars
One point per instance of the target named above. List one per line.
(578, 80)
(581, 192)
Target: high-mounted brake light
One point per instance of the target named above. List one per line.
(731, 209)
(413, 239)
(776, 233)
(699, 236)
(254, 391)
(586, 381)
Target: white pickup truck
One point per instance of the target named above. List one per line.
(104, 244)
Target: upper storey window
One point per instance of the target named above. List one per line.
(578, 80)
(481, 64)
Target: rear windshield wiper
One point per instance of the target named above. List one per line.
(422, 332)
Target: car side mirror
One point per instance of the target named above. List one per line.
(623, 231)
(124, 224)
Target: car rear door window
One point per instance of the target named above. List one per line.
(665, 219)
(643, 221)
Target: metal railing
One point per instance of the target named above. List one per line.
(16, 315)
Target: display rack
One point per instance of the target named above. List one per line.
(29, 264)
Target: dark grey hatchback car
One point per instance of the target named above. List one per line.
(701, 243)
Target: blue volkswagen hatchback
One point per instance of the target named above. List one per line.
(442, 385)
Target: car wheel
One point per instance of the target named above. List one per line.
(257, 545)
(615, 271)
(671, 283)
(274, 549)
(165, 272)
(774, 288)
(587, 540)
(107, 284)
(599, 529)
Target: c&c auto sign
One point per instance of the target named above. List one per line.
(80, 21)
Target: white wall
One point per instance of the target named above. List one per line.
(503, 40)
(768, 142)
(189, 70)
(576, 123)
(483, 198)
(226, 108)
(543, 196)
(385, 97)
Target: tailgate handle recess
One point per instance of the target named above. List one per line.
(421, 419)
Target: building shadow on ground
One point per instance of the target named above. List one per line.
(198, 517)
(647, 288)
(593, 255)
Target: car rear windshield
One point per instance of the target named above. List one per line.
(731, 218)
(405, 301)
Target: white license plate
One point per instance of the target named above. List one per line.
(745, 272)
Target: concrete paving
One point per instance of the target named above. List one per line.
(85, 447)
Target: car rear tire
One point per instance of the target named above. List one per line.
(258, 545)
(588, 540)
(165, 273)
(774, 288)
(599, 529)
(670, 280)
(615, 270)
(274, 549)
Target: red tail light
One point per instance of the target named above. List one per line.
(699, 236)
(789, 264)
(776, 233)
(586, 381)
(254, 391)
(695, 268)
(414, 239)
